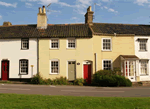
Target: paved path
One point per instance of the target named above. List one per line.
(76, 90)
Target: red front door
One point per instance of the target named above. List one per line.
(5, 70)
(87, 73)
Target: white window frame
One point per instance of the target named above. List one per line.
(23, 39)
(51, 43)
(110, 44)
(107, 60)
(58, 65)
(147, 61)
(71, 47)
(146, 44)
(22, 73)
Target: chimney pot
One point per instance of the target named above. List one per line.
(44, 11)
(40, 10)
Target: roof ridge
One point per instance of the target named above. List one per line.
(119, 23)
(17, 25)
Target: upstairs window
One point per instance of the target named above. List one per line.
(54, 43)
(25, 44)
(106, 44)
(143, 45)
(71, 43)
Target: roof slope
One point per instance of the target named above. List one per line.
(52, 31)
(121, 28)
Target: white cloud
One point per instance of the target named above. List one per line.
(74, 18)
(81, 6)
(141, 2)
(0, 17)
(112, 10)
(105, 0)
(65, 4)
(109, 9)
(105, 7)
(8, 4)
(28, 4)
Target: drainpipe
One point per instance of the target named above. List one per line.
(95, 62)
(37, 55)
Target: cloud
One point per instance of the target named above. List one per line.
(74, 18)
(8, 4)
(141, 2)
(0, 17)
(81, 6)
(105, 0)
(112, 10)
(28, 4)
(109, 9)
(65, 4)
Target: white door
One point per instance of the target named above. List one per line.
(130, 70)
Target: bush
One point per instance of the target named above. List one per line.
(37, 79)
(80, 81)
(60, 81)
(109, 78)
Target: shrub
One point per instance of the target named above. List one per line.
(37, 79)
(79, 81)
(109, 78)
(60, 81)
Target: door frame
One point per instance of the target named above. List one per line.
(129, 77)
(8, 68)
(85, 62)
(67, 67)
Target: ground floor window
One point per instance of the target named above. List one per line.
(54, 65)
(106, 64)
(23, 66)
(144, 67)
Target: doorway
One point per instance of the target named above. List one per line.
(5, 69)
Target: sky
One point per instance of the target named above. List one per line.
(20, 12)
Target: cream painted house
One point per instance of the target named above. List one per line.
(76, 50)
(79, 50)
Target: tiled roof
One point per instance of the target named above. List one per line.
(65, 30)
(107, 28)
(58, 30)
(16, 31)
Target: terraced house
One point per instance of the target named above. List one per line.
(74, 50)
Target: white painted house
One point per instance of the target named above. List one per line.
(18, 58)
(142, 51)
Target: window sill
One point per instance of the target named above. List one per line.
(144, 75)
(54, 73)
(71, 48)
(24, 49)
(143, 51)
(107, 50)
(22, 74)
(53, 48)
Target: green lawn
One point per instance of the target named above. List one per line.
(17, 101)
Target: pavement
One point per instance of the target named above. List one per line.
(76, 90)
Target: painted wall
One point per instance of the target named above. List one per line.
(83, 51)
(11, 49)
(142, 55)
(121, 45)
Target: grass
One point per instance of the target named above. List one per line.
(18, 101)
